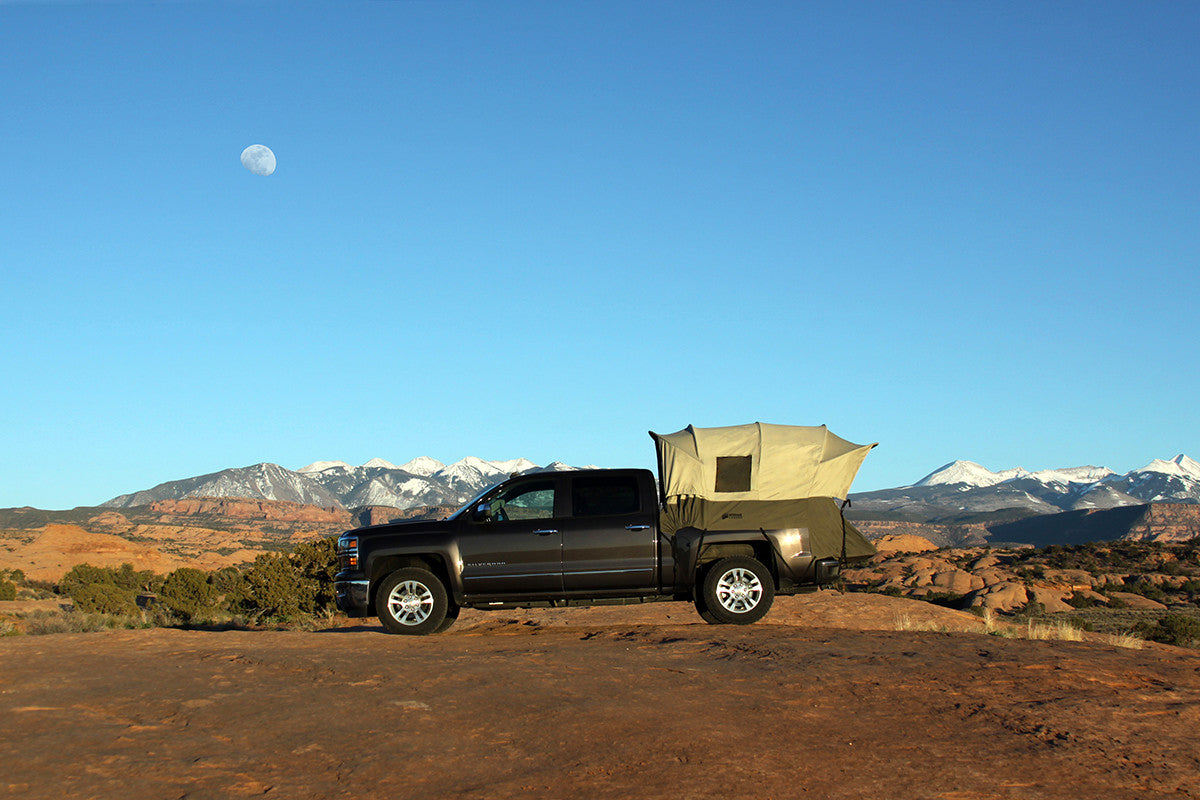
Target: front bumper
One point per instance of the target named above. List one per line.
(351, 593)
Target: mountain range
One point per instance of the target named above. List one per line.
(963, 488)
(335, 484)
(958, 489)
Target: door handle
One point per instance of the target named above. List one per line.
(545, 531)
(637, 527)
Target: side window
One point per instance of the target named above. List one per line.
(525, 501)
(595, 497)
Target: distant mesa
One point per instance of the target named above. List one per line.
(903, 543)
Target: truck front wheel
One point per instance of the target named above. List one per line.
(737, 590)
(413, 601)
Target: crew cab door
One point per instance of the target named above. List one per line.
(517, 549)
(609, 541)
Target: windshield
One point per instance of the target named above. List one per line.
(474, 500)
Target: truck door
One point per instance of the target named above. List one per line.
(517, 551)
(609, 541)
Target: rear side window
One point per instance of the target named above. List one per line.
(595, 497)
(733, 474)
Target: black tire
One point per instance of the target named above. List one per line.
(738, 590)
(705, 614)
(412, 601)
(451, 618)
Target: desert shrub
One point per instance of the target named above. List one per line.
(1031, 609)
(273, 587)
(226, 580)
(8, 590)
(1115, 602)
(104, 598)
(46, 588)
(1146, 589)
(287, 587)
(316, 561)
(125, 578)
(187, 592)
(1176, 629)
(17, 576)
(103, 590)
(1078, 600)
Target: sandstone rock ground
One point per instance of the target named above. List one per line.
(601, 703)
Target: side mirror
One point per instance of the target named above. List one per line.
(482, 512)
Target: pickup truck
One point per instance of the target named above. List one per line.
(606, 536)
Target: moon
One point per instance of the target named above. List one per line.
(259, 159)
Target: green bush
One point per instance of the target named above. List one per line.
(187, 592)
(316, 562)
(1176, 629)
(1115, 602)
(226, 581)
(273, 587)
(103, 590)
(104, 598)
(1146, 589)
(8, 590)
(1082, 601)
(124, 578)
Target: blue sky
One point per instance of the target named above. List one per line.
(540, 229)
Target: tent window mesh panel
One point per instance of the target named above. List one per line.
(733, 474)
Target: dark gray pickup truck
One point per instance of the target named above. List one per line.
(591, 537)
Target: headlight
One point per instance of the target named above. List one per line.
(348, 549)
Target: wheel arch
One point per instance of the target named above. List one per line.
(383, 565)
(717, 548)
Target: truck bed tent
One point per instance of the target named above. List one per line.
(762, 476)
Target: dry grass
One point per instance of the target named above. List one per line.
(903, 622)
(1035, 630)
(1057, 631)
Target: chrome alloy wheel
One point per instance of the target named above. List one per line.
(410, 603)
(739, 590)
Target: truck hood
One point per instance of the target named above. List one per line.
(405, 526)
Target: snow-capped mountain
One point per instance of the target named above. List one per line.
(956, 489)
(422, 465)
(260, 482)
(423, 481)
(963, 487)
(971, 474)
(321, 466)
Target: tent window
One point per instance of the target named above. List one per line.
(733, 474)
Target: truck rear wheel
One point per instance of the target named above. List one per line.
(414, 602)
(737, 590)
(705, 614)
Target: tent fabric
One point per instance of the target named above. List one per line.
(820, 517)
(786, 462)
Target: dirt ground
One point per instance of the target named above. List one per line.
(824, 699)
